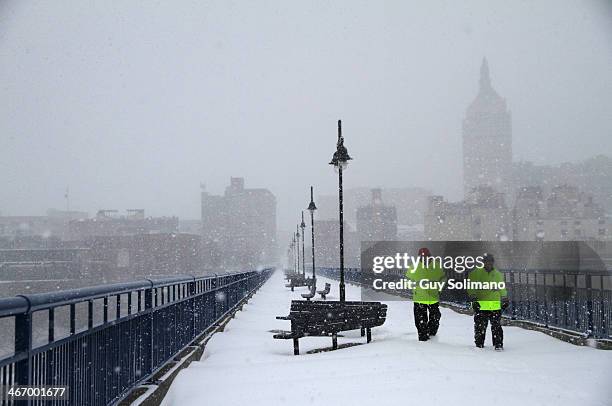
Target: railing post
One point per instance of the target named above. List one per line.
(74, 372)
(192, 299)
(51, 377)
(227, 291)
(23, 344)
(529, 299)
(215, 292)
(590, 327)
(602, 308)
(576, 304)
(538, 310)
(565, 303)
(148, 352)
(546, 295)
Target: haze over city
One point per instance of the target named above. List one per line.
(161, 242)
(134, 106)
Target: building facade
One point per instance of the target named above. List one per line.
(239, 227)
(565, 214)
(410, 204)
(484, 216)
(377, 221)
(327, 245)
(487, 140)
(592, 176)
(54, 225)
(111, 223)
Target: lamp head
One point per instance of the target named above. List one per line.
(341, 156)
(311, 206)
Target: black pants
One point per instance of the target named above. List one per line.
(481, 319)
(426, 319)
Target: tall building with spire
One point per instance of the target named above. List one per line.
(487, 140)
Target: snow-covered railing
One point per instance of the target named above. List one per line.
(578, 302)
(113, 337)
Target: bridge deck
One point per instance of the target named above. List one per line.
(245, 366)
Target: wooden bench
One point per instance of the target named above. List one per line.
(311, 293)
(325, 291)
(298, 281)
(309, 318)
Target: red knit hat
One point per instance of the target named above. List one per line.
(424, 252)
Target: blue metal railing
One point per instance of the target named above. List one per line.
(142, 325)
(578, 302)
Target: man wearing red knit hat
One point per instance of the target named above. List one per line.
(426, 301)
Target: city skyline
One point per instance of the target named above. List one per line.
(255, 202)
(138, 117)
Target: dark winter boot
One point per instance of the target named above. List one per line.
(434, 319)
(481, 320)
(421, 321)
(497, 333)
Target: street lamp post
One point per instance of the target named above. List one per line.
(303, 226)
(297, 247)
(340, 163)
(293, 249)
(311, 208)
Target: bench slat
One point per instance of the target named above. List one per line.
(328, 318)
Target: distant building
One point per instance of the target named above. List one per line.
(484, 216)
(102, 259)
(110, 223)
(144, 255)
(566, 214)
(54, 225)
(519, 201)
(190, 226)
(239, 228)
(487, 140)
(411, 233)
(327, 245)
(592, 176)
(35, 264)
(410, 204)
(376, 221)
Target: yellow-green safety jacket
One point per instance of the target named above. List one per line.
(425, 296)
(488, 299)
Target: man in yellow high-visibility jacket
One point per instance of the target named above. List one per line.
(426, 301)
(488, 303)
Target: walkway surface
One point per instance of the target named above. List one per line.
(244, 366)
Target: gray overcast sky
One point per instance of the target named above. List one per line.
(133, 104)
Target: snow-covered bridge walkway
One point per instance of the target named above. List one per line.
(244, 365)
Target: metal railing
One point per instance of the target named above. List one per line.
(116, 336)
(577, 302)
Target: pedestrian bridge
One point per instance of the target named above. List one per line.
(244, 365)
(98, 343)
(149, 330)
